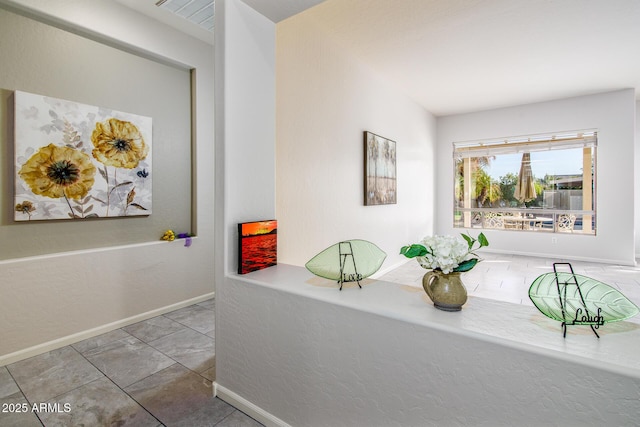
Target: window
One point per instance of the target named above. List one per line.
(538, 183)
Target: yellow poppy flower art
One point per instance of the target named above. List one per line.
(55, 172)
(118, 143)
(77, 161)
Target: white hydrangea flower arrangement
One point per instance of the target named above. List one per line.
(446, 253)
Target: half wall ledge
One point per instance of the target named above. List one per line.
(305, 353)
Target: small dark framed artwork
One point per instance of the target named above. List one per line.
(257, 245)
(379, 170)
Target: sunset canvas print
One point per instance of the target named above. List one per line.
(258, 245)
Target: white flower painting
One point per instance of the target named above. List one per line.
(77, 161)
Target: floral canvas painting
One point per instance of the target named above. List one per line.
(76, 161)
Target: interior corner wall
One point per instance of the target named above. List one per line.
(50, 301)
(244, 146)
(245, 120)
(613, 115)
(636, 197)
(326, 99)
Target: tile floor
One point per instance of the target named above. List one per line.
(153, 373)
(508, 277)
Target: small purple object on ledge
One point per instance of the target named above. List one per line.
(187, 238)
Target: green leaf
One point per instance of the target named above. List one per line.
(599, 299)
(470, 240)
(466, 265)
(413, 250)
(483, 240)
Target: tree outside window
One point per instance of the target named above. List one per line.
(548, 179)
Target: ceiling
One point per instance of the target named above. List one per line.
(193, 16)
(278, 10)
(199, 12)
(457, 56)
(166, 15)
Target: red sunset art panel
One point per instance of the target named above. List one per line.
(258, 245)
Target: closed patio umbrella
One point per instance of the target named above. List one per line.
(525, 189)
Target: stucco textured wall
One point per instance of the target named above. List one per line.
(311, 355)
(612, 114)
(326, 99)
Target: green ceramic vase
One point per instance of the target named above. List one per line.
(445, 290)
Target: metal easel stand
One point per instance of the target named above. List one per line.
(562, 287)
(345, 250)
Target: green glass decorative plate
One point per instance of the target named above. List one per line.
(599, 299)
(360, 259)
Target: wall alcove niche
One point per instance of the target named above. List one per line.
(42, 59)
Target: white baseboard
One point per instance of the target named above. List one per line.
(561, 257)
(247, 407)
(89, 333)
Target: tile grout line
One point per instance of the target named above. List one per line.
(174, 360)
(113, 382)
(107, 377)
(209, 310)
(23, 395)
(142, 379)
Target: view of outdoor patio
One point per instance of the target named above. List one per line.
(541, 184)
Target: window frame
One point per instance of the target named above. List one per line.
(526, 218)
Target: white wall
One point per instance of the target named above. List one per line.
(245, 122)
(326, 99)
(244, 145)
(613, 114)
(298, 357)
(305, 355)
(636, 176)
(50, 301)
